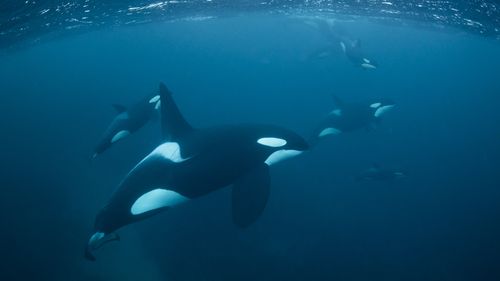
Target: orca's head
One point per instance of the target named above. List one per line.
(140, 195)
(280, 145)
(367, 63)
(105, 224)
(381, 106)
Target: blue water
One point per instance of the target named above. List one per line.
(441, 222)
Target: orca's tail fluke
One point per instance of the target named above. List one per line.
(173, 124)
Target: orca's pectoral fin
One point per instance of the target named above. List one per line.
(119, 108)
(249, 196)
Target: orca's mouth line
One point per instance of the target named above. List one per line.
(96, 244)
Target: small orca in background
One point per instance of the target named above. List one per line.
(353, 52)
(377, 173)
(128, 121)
(347, 117)
(192, 163)
(351, 48)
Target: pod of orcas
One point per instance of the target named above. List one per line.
(192, 162)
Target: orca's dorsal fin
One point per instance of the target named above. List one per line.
(119, 108)
(173, 124)
(338, 102)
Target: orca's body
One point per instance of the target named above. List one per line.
(348, 117)
(354, 53)
(351, 48)
(193, 163)
(128, 121)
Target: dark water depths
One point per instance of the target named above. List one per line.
(438, 223)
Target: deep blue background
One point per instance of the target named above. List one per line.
(439, 223)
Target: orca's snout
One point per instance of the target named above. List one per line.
(96, 241)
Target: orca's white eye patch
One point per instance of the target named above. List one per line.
(155, 199)
(375, 105)
(272, 142)
(154, 99)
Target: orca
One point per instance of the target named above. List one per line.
(377, 173)
(351, 48)
(194, 162)
(348, 117)
(354, 53)
(127, 121)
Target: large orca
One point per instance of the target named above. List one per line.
(377, 173)
(347, 117)
(194, 162)
(128, 121)
(351, 48)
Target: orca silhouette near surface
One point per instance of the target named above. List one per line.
(351, 116)
(128, 121)
(354, 53)
(192, 163)
(377, 173)
(351, 48)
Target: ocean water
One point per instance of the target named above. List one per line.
(248, 62)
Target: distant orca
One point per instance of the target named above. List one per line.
(376, 173)
(193, 163)
(127, 121)
(347, 117)
(351, 48)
